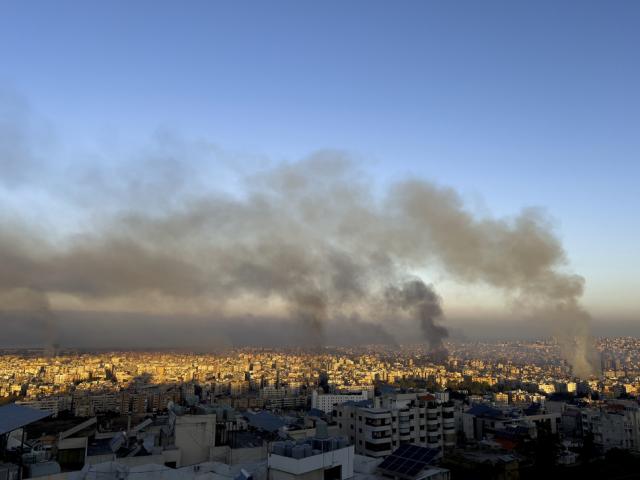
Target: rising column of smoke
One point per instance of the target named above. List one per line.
(522, 256)
(423, 304)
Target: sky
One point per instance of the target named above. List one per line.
(512, 104)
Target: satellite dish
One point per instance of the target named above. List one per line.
(117, 441)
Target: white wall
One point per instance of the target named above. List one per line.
(195, 436)
(302, 466)
(325, 402)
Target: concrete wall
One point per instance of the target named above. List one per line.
(236, 456)
(195, 437)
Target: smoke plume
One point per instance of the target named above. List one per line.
(312, 240)
(423, 304)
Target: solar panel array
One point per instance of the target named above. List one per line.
(408, 460)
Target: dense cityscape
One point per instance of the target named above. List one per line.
(487, 410)
(510, 372)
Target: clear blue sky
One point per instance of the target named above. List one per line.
(519, 103)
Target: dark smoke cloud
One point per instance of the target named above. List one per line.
(309, 240)
(423, 303)
(26, 313)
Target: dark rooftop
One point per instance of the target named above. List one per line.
(14, 416)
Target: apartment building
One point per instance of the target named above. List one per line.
(326, 401)
(615, 425)
(399, 419)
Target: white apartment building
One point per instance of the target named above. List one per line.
(326, 401)
(399, 419)
(617, 425)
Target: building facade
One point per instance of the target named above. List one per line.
(326, 401)
(399, 419)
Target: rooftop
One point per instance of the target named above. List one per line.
(14, 416)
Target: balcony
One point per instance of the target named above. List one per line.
(378, 449)
(380, 435)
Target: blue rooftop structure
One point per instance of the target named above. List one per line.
(316, 412)
(14, 416)
(265, 421)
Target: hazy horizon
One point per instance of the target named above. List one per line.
(124, 330)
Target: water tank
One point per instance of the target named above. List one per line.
(288, 446)
(308, 451)
(297, 451)
(278, 448)
(322, 445)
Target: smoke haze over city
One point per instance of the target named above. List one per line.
(353, 207)
(309, 240)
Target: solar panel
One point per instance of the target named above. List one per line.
(414, 469)
(388, 462)
(408, 460)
